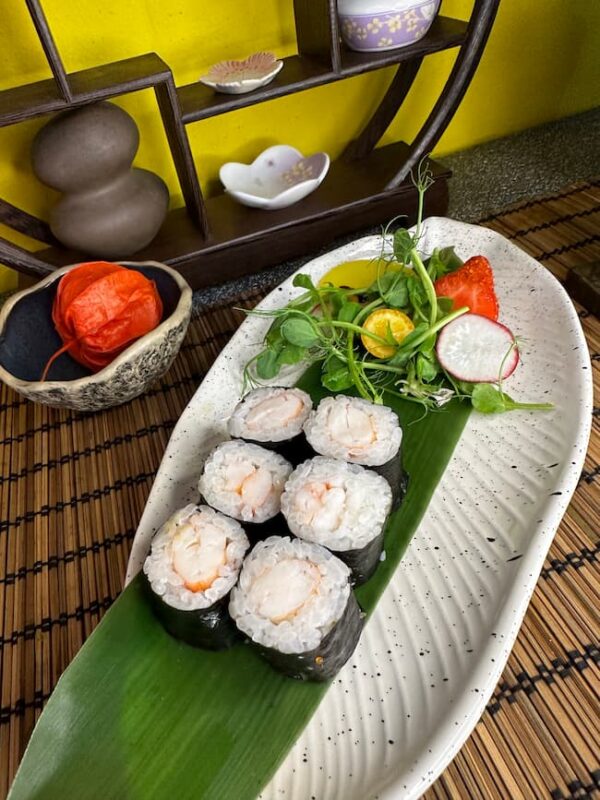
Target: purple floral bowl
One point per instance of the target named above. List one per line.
(367, 28)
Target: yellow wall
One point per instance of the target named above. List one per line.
(541, 63)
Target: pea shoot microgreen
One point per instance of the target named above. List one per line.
(490, 399)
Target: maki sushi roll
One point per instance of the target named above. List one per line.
(341, 506)
(245, 482)
(355, 430)
(294, 601)
(194, 560)
(273, 417)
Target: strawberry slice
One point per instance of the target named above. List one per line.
(472, 285)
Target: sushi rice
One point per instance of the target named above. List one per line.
(244, 481)
(354, 430)
(290, 595)
(338, 505)
(195, 558)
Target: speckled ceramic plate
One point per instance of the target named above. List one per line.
(434, 649)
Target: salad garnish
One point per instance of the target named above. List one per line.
(382, 338)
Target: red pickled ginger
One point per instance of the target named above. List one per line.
(100, 309)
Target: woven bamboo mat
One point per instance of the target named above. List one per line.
(73, 487)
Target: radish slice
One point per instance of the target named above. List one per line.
(472, 348)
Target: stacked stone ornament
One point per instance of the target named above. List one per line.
(108, 209)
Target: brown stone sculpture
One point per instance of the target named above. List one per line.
(108, 209)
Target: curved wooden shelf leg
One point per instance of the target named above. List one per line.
(386, 111)
(11, 255)
(480, 24)
(25, 223)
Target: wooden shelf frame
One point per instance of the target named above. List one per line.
(86, 86)
(354, 197)
(215, 240)
(301, 72)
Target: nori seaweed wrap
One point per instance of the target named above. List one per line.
(194, 560)
(341, 506)
(245, 481)
(396, 477)
(294, 602)
(355, 430)
(273, 417)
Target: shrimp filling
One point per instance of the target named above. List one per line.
(320, 505)
(278, 410)
(355, 430)
(352, 427)
(284, 589)
(270, 414)
(244, 481)
(332, 503)
(198, 552)
(253, 484)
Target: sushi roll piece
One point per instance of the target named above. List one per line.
(245, 481)
(194, 560)
(341, 506)
(294, 602)
(355, 430)
(274, 416)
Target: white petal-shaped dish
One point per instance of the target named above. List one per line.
(435, 647)
(277, 178)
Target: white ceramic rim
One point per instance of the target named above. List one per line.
(184, 302)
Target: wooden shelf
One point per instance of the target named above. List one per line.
(303, 72)
(108, 80)
(299, 72)
(352, 196)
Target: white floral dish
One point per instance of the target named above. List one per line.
(239, 77)
(278, 177)
(438, 640)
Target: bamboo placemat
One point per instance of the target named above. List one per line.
(73, 487)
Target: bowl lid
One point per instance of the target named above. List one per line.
(360, 7)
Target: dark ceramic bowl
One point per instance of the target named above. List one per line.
(28, 339)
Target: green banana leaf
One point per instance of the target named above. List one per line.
(139, 715)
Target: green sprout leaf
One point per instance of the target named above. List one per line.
(427, 367)
(299, 331)
(441, 262)
(267, 364)
(291, 354)
(348, 311)
(304, 282)
(274, 339)
(445, 305)
(403, 244)
(417, 297)
(488, 399)
(336, 376)
(396, 294)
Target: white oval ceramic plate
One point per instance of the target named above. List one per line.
(435, 647)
